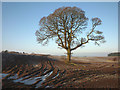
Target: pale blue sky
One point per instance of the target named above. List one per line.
(20, 21)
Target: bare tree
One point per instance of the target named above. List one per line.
(66, 25)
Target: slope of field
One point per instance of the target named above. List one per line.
(32, 71)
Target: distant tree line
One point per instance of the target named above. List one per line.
(114, 54)
(13, 52)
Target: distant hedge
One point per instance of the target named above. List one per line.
(114, 54)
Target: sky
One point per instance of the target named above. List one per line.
(20, 20)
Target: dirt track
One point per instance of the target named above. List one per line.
(29, 71)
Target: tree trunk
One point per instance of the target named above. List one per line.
(69, 55)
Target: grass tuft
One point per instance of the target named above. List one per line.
(70, 63)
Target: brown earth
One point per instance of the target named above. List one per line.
(82, 72)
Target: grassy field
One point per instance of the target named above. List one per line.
(46, 71)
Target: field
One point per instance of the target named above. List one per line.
(46, 71)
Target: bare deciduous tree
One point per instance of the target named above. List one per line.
(66, 25)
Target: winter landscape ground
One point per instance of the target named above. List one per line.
(46, 71)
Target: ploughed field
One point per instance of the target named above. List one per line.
(33, 71)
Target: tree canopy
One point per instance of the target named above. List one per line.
(65, 25)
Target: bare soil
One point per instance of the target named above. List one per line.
(82, 72)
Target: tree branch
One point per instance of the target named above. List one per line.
(82, 43)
